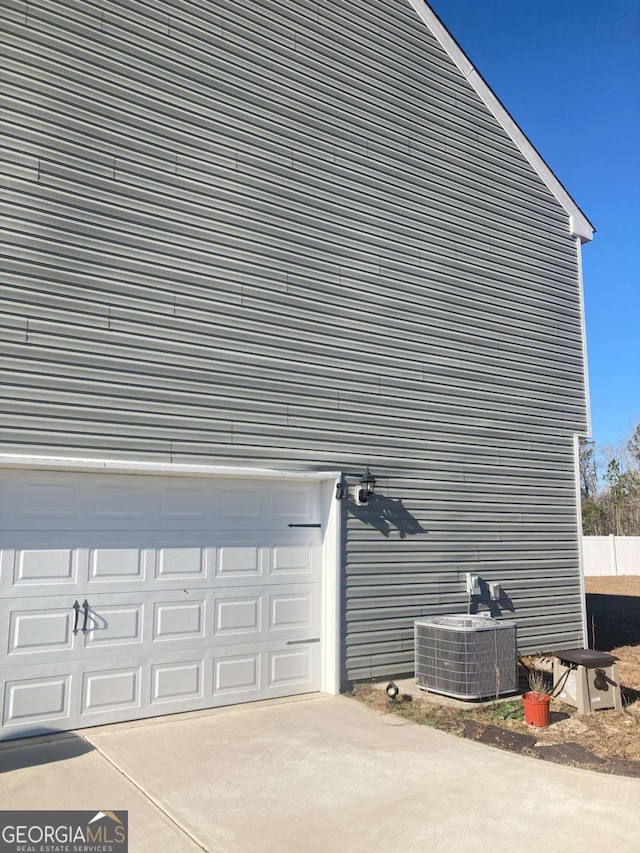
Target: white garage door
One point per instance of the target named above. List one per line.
(184, 593)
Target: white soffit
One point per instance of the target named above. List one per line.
(579, 224)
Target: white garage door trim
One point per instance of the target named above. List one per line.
(330, 666)
(123, 466)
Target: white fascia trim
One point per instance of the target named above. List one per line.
(583, 324)
(578, 223)
(123, 466)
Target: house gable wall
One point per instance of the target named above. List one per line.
(281, 235)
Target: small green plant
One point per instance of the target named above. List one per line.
(505, 711)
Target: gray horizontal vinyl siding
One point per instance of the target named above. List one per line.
(285, 234)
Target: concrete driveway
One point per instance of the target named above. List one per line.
(319, 774)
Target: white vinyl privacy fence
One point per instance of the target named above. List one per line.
(611, 555)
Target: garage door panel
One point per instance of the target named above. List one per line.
(187, 503)
(291, 667)
(145, 688)
(52, 562)
(179, 621)
(294, 504)
(99, 501)
(243, 502)
(37, 566)
(50, 500)
(146, 622)
(239, 560)
(120, 501)
(296, 558)
(245, 674)
(45, 627)
(291, 559)
(114, 625)
(38, 497)
(237, 616)
(182, 681)
(111, 689)
(237, 673)
(136, 623)
(40, 630)
(290, 611)
(43, 699)
(114, 562)
(183, 561)
(199, 593)
(37, 701)
(260, 615)
(47, 566)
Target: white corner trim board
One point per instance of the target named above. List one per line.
(583, 591)
(579, 224)
(583, 321)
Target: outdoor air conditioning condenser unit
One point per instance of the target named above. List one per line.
(467, 657)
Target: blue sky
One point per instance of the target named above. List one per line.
(569, 74)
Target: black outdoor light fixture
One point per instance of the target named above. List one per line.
(361, 492)
(367, 485)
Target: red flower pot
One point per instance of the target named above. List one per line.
(536, 709)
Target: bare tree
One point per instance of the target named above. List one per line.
(610, 487)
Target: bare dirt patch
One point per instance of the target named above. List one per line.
(621, 585)
(608, 734)
(613, 608)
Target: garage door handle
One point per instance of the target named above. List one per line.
(304, 525)
(298, 642)
(76, 607)
(85, 605)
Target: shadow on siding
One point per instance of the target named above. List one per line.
(388, 515)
